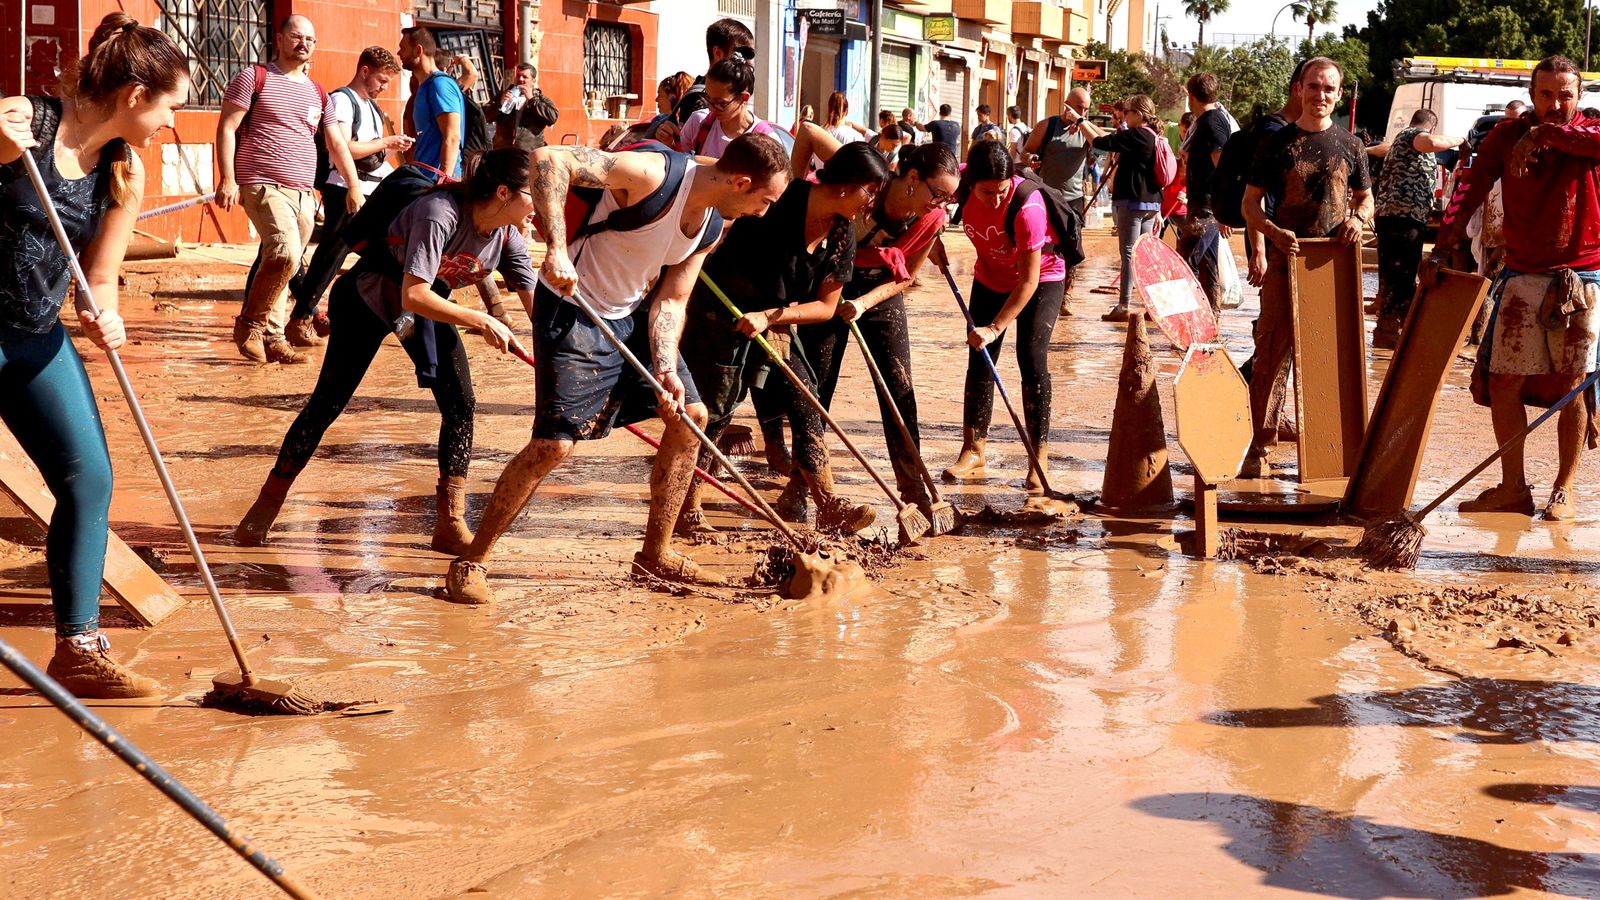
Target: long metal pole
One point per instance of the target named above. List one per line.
(875, 93)
(1588, 29)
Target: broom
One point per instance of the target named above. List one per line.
(942, 515)
(246, 692)
(738, 440)
(913, 525)
(1396, 543)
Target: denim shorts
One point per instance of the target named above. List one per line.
(583, 385)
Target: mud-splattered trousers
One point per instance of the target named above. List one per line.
(46, 401)
(1274, 337)
(357, 333)
(1033, 328)
(889, 340)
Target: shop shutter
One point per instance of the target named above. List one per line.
(896, 81)
(953, 86)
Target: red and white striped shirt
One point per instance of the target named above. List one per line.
(277, 142)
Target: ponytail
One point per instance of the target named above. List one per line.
(482, 174)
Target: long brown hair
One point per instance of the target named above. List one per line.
(838, 107)
(122, 52)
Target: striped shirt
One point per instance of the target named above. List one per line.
(277, 142)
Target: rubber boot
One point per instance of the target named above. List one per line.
(84, 666)
(1386, 336)
(1034, 486)
(450, 532)
(252, 530)
(970, 462)
(795, 501)
(836, 513)
(776, 446)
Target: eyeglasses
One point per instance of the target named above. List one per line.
(301, 39)
(723, 103)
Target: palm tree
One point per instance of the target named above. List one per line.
(1311, 12)
(1202, 11)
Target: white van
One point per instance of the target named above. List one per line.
(1460, 89)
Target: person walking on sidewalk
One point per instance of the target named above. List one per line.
(787, 268)
(1135, 190)
(115, 100)
(449, 237)
(267, 162)
(1062, 145)
(1547, 163)
(360, 122)
(1016, 281)
(583, 384)
(1405, 197)
(1318, 173)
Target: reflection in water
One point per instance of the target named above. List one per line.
(1308, 848)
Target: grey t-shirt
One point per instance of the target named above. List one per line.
(433, 239)
(1061, 161)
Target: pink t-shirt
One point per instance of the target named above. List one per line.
(714, 142)
(997, 256)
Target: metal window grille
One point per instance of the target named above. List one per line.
(222, 37)
(744, 9)
(607, 59)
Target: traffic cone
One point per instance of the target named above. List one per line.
(1137, 476)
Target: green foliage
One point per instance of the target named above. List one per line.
(1126, 74)
(1202, 11)
(1313, 12)
(1527, 29)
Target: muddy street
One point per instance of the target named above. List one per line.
(1075, 708)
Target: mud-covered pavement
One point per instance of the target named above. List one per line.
(1069, 710)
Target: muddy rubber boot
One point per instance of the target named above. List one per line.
(450, 532)
(836, 513)
(279, 351)
(301, 333)
(84, 666)
(468, 583)
(775, 447)
(795, 501)
(250, 338)
(1033, 485)
(1386, 336)
(970, 462)
(252, 530)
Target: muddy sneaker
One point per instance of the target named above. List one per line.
(692, 523)
(1560, 507)
(301, 333)
(279, 351)
(1501, 499)
(84, 666)
(1117, 313)
(674, 566)
(250, 338)
(842, 515)
(468, 583)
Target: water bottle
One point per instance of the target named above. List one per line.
(513, 101)
(405, 325)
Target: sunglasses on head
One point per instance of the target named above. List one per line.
(745, 53)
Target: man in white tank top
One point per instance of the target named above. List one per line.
(583, 384)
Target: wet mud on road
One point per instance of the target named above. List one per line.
(1071, 708)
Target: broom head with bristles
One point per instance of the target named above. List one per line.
(1393, 543)
(943, 518)
(737, 440)
(913, 524)
(259, 696)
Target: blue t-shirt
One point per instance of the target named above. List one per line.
(947, 132)
(438, 95)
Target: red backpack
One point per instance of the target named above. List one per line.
(1166, 160)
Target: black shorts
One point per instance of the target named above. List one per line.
(583, 385)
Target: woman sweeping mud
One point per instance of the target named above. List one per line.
(789, 266)
(456, 234)
(893, 240)
(123, 92)
(1016, 282)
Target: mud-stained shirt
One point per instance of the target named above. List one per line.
(1313, 175)
(1552, 213)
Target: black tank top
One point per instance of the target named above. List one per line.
(34, 274)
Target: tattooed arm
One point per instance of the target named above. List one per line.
(631, 176)
(668, 312)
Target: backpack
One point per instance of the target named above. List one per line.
(582, 201)
(1166, 161)
(320, 181)
(1233, 167)
(370, 163)
(1064, 220)
(367, 232)
(474, 128)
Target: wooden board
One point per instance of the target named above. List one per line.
(1330, 357)
(1386, 475)
(134, 585)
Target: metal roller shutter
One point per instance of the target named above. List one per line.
(953, 84)
(896, 81)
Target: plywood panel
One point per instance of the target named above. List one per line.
(1330, 351)
(1386, 474)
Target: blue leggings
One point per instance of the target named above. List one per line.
(46, 401)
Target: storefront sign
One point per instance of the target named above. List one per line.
(1088, 70)
(939, 28)
(826, 21)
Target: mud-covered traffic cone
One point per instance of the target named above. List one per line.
(1138, 478)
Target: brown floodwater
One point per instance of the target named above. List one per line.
(1068, 709)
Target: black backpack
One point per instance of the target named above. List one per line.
(1064, 220)
(1233, 168)
(474, 128)
(367, 232)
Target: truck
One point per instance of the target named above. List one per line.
(1461, 90)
